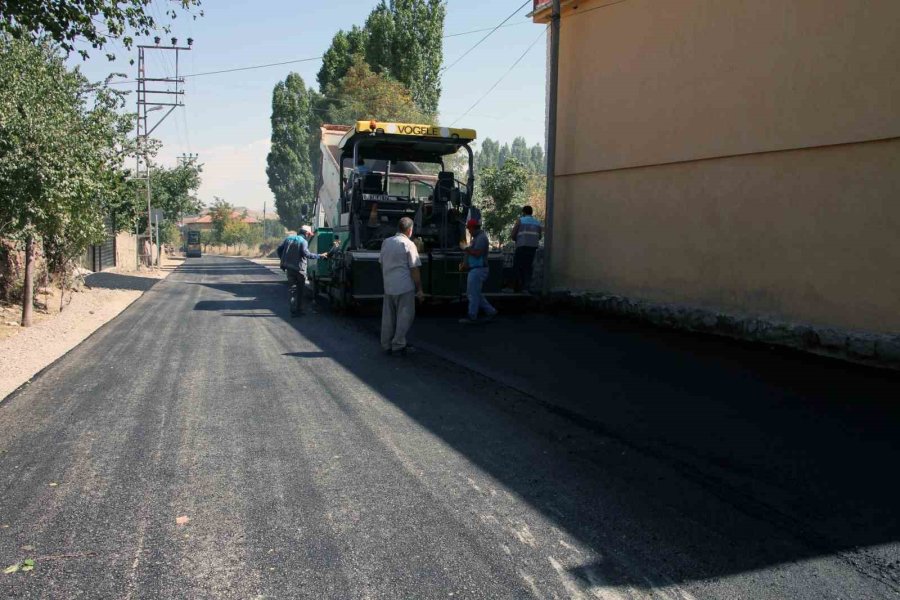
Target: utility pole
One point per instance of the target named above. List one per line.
(186, 159)
(159, 246)
(149, 100)
(265, 224)
(551, 144)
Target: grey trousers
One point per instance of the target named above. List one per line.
(397, 316)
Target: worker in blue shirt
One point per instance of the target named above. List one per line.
(476, 263)
(294, 254)
(527, 233)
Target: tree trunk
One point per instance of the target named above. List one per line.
(62, 290)
(28, 293)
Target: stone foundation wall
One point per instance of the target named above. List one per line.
(881, 350)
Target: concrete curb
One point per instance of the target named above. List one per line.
(872, 349)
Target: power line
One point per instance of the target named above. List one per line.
(312, 58)
(489, 34)
(452, 35)
(286, 62)
(502, 77)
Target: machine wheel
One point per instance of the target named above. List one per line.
(337, 295)
(341, 298)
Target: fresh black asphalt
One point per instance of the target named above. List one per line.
(544, 456)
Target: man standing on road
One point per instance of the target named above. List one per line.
(476, 263)
(402, 286)
(294, 253)
(527, 233)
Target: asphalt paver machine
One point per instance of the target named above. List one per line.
(375, 173)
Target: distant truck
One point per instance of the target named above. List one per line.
(375, 173)
(193, 244)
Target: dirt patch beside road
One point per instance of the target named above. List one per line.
(25, 351)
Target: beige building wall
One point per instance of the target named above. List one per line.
(733, 154)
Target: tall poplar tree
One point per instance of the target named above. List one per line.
(288, 168)
(401, 40)
(339, 57)
(406, 41)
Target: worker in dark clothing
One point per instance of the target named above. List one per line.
(527, 233)
(294, 253)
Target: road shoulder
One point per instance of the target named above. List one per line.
(28, 351)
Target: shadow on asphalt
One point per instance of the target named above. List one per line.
(806, 444)
(120, 281)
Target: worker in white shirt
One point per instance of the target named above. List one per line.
(402, 286)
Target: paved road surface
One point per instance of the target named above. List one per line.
(312, 466)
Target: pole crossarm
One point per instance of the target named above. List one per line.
(151, 47)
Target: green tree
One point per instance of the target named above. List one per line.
(289, 167)
(402, 40)
(520, 151)
(379, 42)
(492, 154)
(170, 234)
(207, 238)
(221, 213)
(488, 155)
(538, 160)
(502, 193)
(339, 57)
(174, 189)
(254, 234)
(95, 22)
(369, 95)
(234, 233)
(61, 148)
(405, 42)
(503, 155)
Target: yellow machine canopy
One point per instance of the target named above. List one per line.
(403, 141)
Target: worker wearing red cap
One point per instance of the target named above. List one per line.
(477, 265)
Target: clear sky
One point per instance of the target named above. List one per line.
(226, 117)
